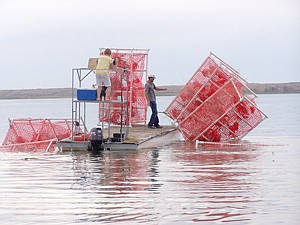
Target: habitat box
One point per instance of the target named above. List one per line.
(87, 94)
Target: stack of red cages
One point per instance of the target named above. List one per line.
(215, 105)
(127, 83)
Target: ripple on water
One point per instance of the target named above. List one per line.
(248, 182)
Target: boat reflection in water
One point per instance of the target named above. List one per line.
(177, 183)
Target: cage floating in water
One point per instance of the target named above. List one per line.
(215, 104)
(35, 134)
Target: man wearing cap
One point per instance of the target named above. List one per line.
(151, 100)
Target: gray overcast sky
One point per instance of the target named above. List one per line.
(42, 40)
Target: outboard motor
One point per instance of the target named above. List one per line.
(96, 140)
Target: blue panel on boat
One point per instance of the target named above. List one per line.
(87, 94)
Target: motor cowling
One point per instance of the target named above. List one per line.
(95, 140)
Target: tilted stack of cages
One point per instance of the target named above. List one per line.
(132, 65)
(215, 105)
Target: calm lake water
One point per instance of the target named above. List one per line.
(256, 181)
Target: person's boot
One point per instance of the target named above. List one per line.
(103, 93)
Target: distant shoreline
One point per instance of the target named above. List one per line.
(173, 90)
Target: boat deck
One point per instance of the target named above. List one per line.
(141, 133)
(139, 136)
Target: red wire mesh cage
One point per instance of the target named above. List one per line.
(35, 134)
(215, 104)
(130, 86)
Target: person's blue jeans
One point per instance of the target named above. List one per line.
(154, 121)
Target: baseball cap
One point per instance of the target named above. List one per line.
(151, 75)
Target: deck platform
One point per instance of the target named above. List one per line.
(139, 136)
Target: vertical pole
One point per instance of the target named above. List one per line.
(130, 92)
(84, 118)
(108, 119)
(145, 115)
(127, 112)
(78, 107)
(102, 122)
(121, 86)
(72, 134)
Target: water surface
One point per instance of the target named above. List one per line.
(254, 181)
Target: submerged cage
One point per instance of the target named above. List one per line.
(35, 134)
